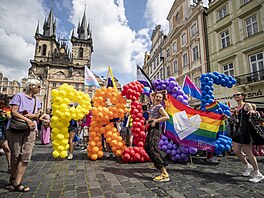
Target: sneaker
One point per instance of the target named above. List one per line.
(107, 155)
(248, 171)
(162, 178)
(213, 160)
(256, 178)
(70, 156)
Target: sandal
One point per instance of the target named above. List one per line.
(10, 184)
(162, 178)
(21, 188)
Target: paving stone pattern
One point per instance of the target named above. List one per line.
(80, 177)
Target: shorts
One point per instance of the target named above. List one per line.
(86, 131)
(21, 145)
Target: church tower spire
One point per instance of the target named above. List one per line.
(83, 28)
(49, 26)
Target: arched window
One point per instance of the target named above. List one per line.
(44, 49)
(80, 54)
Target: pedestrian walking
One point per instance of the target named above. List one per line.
(157, 114)
(45, 127)
(24, 111)
(244, 136)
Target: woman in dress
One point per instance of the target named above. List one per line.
(157, 114)
(45, 127)
(244, 137)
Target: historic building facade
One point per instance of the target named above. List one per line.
(236, 46)
(183, 51)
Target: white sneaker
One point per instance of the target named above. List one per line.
(256, 178)
(107, 155)
(70, 156)
(248, 171)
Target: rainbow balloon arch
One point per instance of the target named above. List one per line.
(109, 104)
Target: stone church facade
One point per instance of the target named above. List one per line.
(55, 63)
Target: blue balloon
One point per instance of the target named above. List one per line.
(221, 147)
(206, 88)
(227, 147)
(206, 79)
(218, 152)
(216, 146)
(210, 83)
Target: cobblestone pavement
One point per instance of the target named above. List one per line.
(80, 177)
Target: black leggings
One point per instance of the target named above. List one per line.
(151, 147)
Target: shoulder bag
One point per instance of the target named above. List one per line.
(20, 126)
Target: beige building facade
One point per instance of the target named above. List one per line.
(236, 47)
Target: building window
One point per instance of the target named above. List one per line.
(225, 39)
(4, 89)
(257, 62)
(195, 53)
(168, 53)
(175, 66)
(174, 47)
(177, 16)
(53, 84)
(161, 73)
(251, 25)
(228, 69)
(185, 59)
(80, 53)
(197, 81)
(222, 13)
(168, 71)
(194, 29)
(44, 49)
(184, 39)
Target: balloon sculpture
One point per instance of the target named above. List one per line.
(172, 88)
(176, 152)
(101, 124)
(135, 154)
(62, 115)
(223, 143)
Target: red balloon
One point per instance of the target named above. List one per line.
(142, 159)
(126, 158)
(140, 115)
(141, 144)
(136, 157)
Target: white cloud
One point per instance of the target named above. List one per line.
(18, 20)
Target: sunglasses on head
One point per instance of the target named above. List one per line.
(237, 95)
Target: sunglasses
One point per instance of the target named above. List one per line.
(236, 95)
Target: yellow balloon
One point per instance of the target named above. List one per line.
(63, 154)
(63, 107)
(64, 141)
(60, 136)
(61, 148)
(62, 93)
(66, 136)
(66, 100)
(55, 131)
(54, 119)
(58, 99)
(55, 153)
(64, 130)
(54, 92)
(67, 146)
(55, 143)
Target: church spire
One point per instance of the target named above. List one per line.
(37, 30)
(83, 28)
(49, 26)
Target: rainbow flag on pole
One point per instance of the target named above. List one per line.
(192, 128)
(214, 105)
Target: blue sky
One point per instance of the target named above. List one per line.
(121, 31)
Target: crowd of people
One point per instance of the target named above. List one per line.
(18, 141)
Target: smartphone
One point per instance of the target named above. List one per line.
(24, 112)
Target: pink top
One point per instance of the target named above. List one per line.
(87, 119)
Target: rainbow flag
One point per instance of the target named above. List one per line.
(192, 128)
(214, 105)
(190, 88)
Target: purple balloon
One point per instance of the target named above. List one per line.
(169, 146)
(180, 98)
(168, 151)
(167, 82)
(193, 150)
(184, 149)
(174, 146)
(166, 142)
(185, 97)
(158, 88)
(173, 158)
(178, 157)
(159, 147)
(180, 92)
(174, 90)
(183, 155)
(185, 102)
(168, 89)
(172, 84)
(179, 151)
(163, 137)
(164, 147)
(161, 143)
(174, 96)
(163, 87)
(173, 152)
(172, 78)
